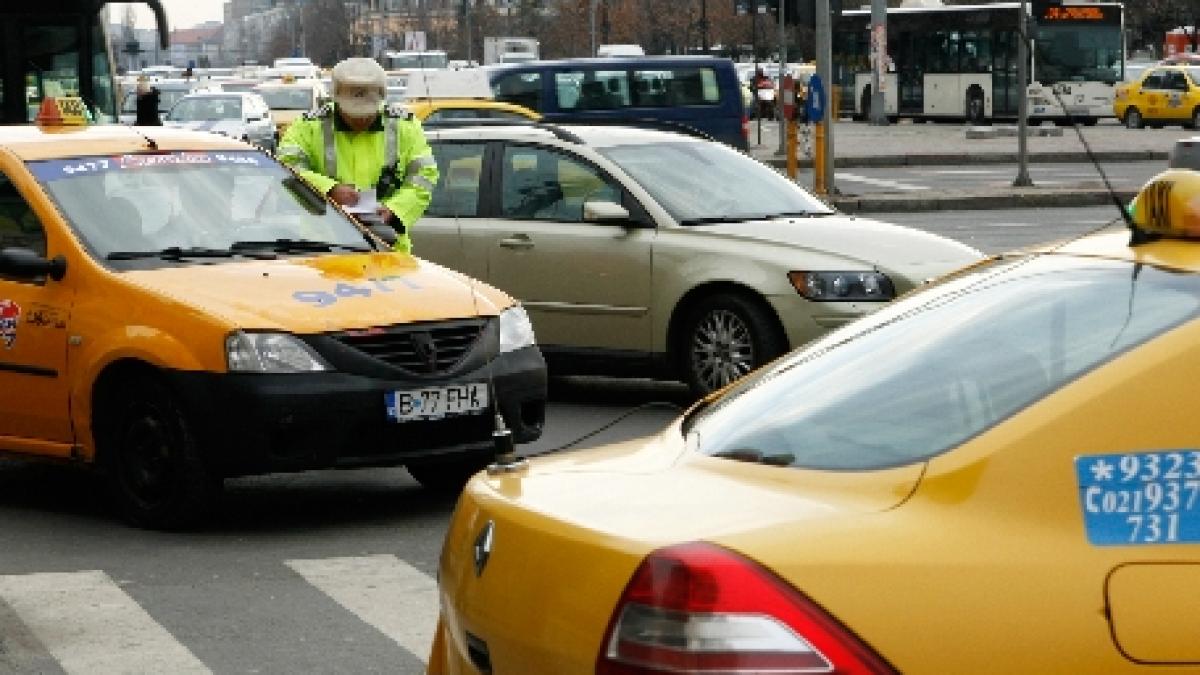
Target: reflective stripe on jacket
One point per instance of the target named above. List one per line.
(359, 158)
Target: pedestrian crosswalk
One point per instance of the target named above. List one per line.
(85, 622)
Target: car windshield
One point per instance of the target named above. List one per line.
(698, 182)
(931, 371)
(288, 99)
(190, 201)
(206, 109)
(167, 98)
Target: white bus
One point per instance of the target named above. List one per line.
(960, 62)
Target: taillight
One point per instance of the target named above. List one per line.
(698, 608)
(745, 127)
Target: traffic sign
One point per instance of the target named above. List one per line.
(814, 104)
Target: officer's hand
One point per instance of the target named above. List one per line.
(344, 194)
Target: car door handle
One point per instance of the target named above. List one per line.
(517, 241)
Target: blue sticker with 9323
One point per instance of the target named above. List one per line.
(1140, 498)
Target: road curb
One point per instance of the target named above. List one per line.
(1016, 199)
(954, 159)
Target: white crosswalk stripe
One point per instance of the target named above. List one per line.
(89, 625)
(396, 598)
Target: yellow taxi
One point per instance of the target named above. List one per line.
(432, 111)
(290, 98)
(997, 474)
(177, 308)
(1162, 95)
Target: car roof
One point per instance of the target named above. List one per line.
(32, 142)
(594, 135)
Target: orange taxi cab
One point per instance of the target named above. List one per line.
(999, 473)
(177, 308)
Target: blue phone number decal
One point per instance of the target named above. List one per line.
(57, 169)
(323, 298)
(1140, 498)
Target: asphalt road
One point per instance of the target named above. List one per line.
(912, 179)
(322, 572)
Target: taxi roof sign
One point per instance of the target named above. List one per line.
(63, 111)
(1169, 205)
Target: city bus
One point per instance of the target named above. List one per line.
(57, 48)
(960, 62)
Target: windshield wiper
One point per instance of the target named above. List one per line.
(296, 246)
(718, 219)
(759, 457)
(172, 253)
(798, 214)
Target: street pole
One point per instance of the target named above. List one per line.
(467, 23)
(879, 62)
(782, 73)
(825, 70)
(593, 24)
(704, 25)
(1022, 179)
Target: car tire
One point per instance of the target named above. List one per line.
(725, 336)
(447, 476)
(155, 473)
(1133, 119)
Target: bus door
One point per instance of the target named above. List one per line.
(1005, 87)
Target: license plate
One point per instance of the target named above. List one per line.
(434, 403)
(1140, 498)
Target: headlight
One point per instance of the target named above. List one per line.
(515, 330)
(270, 353)
(843, 286)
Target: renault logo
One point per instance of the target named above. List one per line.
(426, 350)
(483, 547)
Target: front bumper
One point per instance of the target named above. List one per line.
(250, 423)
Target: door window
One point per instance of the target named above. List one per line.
(1153, 81)
(457, 193)
(19, 227)
(520, 88)
(592, 90)
(539, 184)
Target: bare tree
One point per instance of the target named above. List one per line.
(326, 31)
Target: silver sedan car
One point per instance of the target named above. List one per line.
(241, 115)
(653, 253)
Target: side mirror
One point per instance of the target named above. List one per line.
(24, 263)
(605, 212)
(385, 232)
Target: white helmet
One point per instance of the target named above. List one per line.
(359, 86)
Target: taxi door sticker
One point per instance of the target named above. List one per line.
(1141, 498)
(10, 315)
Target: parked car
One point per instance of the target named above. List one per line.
(1163, 95)
(243, 116)
(654, 253)
(996, 474)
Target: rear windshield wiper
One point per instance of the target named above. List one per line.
(172, 253)
(758, 457)
(296, 246)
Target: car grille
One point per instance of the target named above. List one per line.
(428, 349)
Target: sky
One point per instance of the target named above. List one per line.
(180, 13)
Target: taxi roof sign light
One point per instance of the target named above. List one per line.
(1169, 205)
(62, 111)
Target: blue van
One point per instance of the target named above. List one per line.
(699, 91)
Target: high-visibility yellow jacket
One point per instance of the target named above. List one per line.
(358, 158)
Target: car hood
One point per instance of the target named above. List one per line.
(915, 254)
(323, 293)
(233, 128)
(565, 535)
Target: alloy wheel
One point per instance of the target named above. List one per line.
(722, 349)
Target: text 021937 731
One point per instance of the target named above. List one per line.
(436, 402)
(1140, 498)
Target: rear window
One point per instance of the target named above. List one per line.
(930, 372)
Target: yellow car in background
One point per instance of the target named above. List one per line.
(1162, 95)
(432, 111)
(998, 473)
(291, 99)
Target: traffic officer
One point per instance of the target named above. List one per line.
(356, 152)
